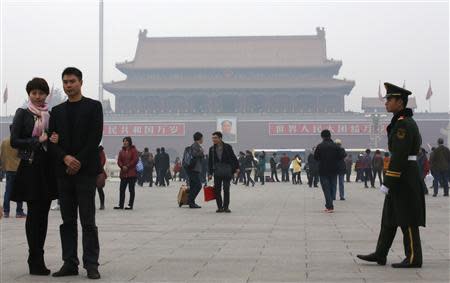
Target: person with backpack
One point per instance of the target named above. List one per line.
(192, 163)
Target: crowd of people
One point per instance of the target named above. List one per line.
(140, 167)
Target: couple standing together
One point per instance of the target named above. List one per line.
(59, 160)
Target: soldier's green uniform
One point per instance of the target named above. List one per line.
(404, 204)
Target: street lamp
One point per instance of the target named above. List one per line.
(375, 133)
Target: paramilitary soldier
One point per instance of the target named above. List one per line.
(404, 203)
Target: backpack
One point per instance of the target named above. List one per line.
(188, 158)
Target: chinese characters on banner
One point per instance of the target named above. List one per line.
(314, 128)
(148, 129)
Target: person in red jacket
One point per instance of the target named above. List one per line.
(127, 160)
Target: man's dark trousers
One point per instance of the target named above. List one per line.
(78, 193)
(285, 174)
(328, 183)
(368, 177)
(10, 177)
(195, 185)
(220, 182)
(442, 179)
(347, 175)
(274, 173)
(161, 177)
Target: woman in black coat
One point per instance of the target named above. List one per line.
(34, 181)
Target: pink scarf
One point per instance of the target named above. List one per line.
(41, 123)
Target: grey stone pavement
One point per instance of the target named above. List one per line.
(275, 233)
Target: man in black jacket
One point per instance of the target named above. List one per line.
(79, 124)
(313, 170)
(158, 167)
(222, 164)
(328, 154)
(165, 166)
(273, 168)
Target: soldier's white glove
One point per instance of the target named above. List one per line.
(384, 189)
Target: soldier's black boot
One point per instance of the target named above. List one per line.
(406, 264)
(373, 258)
(413, 248)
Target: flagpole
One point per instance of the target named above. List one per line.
(429, 99)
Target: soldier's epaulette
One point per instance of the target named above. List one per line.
(401, 118)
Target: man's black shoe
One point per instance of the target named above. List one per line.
(66, 271)
(129, 208)
(227, 210)
(39, 270)
(118, 207)
(194, 206)
(93, 273)
(220, 210)
(405, 264)
(373, 258)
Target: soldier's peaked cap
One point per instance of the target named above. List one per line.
(393, 90)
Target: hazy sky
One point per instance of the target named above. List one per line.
(377, 40)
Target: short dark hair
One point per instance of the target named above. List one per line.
(72, 71)
(368, 150)
(326, 134)
(39, 84)
(163, 149)
(377, 151)
(158, 149)
(218, 134)
(198, 136)
(145, 149)
(386, 154)
(440, 141)
(130, 141)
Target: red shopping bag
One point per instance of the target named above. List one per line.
(209, 193)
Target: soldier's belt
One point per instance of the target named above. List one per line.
(393, 174)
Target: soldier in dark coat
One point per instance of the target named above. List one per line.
(404, 204)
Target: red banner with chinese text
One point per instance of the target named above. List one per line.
(148, 130)
(314, 128)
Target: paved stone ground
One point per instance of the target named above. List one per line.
(276, 233)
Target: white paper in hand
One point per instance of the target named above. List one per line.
(384, 189)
